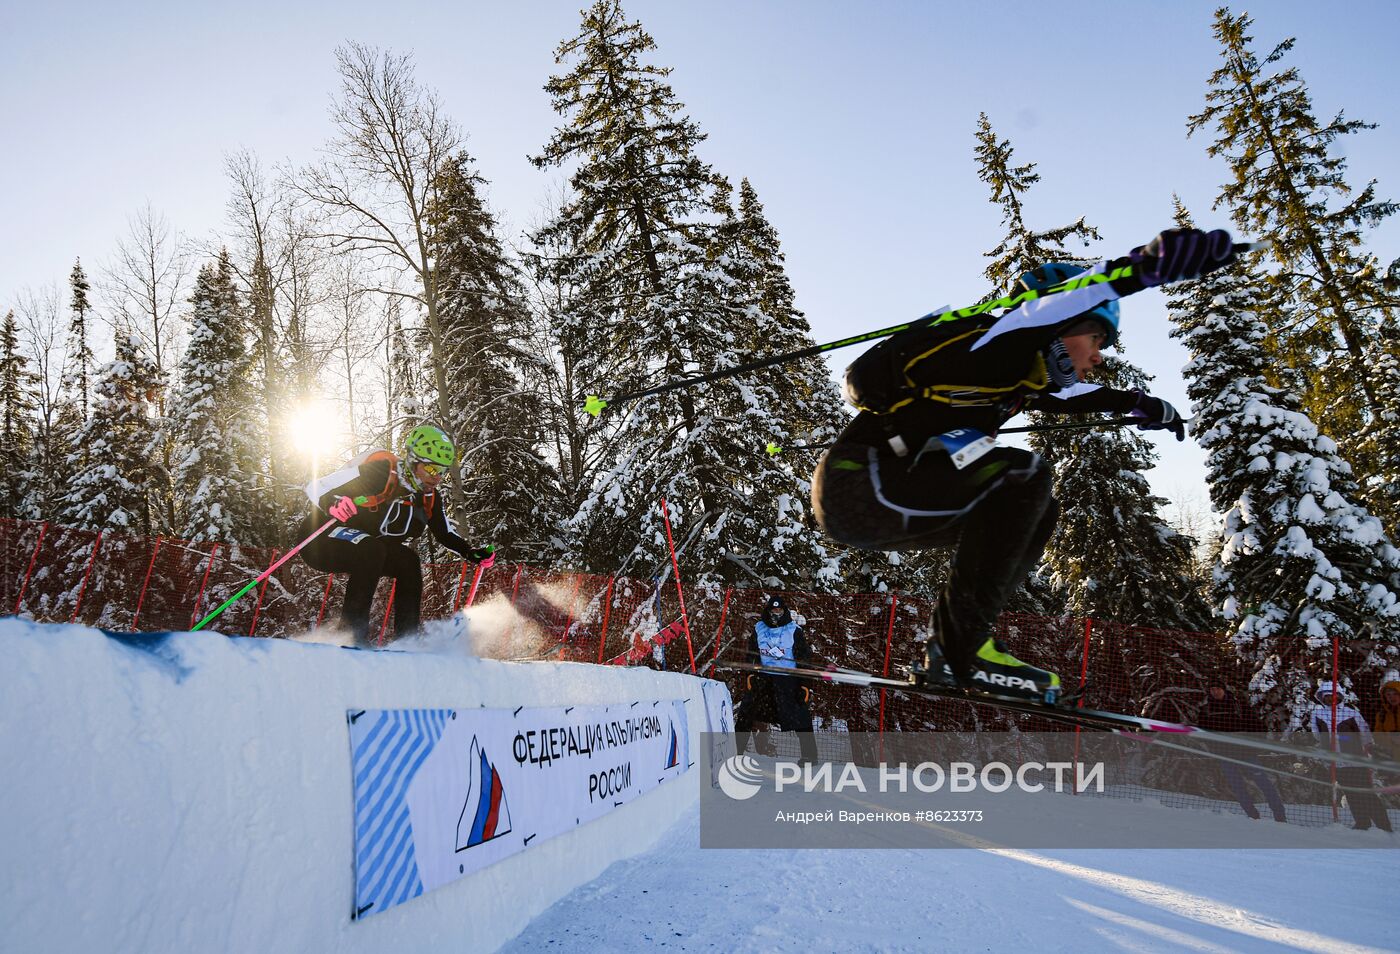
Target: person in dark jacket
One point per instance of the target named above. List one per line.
(777, 643)
(1343, 729)
(1222, 712)
(920, 466)
(382, 503)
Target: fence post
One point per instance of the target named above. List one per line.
(384, 624)
(719, 633)
(43, 528)
(514, 592)
(1083, 681)
(146, 583)
(257, 607)
(461, 580)
(889, 641)
(86, 576)
(1336, 691)
(607, 611)
(573, 602)
(199, 597)
(670, 545)
(325, 597)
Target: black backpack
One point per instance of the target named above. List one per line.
(881, 380)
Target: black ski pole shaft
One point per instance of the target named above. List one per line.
(1071, 425)
(774, 449)
(594, 404)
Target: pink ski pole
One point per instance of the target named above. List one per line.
(268, 572)
(476, 577)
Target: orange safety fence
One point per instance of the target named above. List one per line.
(130, 583)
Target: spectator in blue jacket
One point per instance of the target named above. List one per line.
(776, 643)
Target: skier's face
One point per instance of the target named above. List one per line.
(429, 476)
(1083, 344)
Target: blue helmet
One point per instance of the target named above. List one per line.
(1053, 273)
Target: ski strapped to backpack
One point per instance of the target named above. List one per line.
(595, 405)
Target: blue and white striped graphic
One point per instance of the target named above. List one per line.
(386, 753)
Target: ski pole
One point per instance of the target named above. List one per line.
(268, 572)
(594, 404)
(774, 449)
(476, 578)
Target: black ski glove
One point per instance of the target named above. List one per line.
(1179, 254)
(1158, 415)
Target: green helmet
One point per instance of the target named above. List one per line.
(429, 445)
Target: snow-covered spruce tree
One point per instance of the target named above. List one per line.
(508, 492)
(1289, 184)
(655, 298)
(1379, 441)
(1021, 248)
(79, 359)
(1112, 557)
(215, 418)
(1301, 561)
(813, 408)
(75, 385)
(122, 442)
(17, 404)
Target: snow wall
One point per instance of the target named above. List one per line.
(196, 792)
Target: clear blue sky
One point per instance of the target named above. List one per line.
(854, 122)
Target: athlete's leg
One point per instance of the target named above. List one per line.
(402, 563)
(362, 557)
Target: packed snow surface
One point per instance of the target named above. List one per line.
(191, 793)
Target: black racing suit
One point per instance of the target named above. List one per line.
(377, 541)
(997, 510)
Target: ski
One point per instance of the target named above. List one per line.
(1117, 722)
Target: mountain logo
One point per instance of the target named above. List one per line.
(673, 750)
(485, 813)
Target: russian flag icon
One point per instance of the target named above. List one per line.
(485, 814)
(673, 753)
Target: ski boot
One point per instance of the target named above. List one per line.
(992, 670)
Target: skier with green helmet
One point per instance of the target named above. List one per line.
(382, 502)
(920, 467)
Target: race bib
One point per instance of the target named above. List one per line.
(347, 534)
(966, 445)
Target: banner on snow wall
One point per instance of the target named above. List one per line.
(441, 793)
(719, 726)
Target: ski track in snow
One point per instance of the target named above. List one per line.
(682, 898)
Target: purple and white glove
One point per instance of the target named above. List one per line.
(1179, 254)
(1158, 415)
(343, 509)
